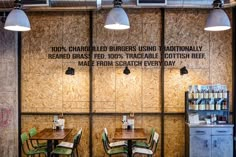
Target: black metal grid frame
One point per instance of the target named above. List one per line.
(91, 113)
(234, 72)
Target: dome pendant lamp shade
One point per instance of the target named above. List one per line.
(17, 20)
(217, 19)
(117, 18)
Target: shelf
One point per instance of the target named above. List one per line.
(208, 110)
(192, 99)
(189, 107)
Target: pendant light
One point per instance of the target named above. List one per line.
(217, 19)
(17, 20)
(117, 19)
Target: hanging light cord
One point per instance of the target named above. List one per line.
(217, 4)
(17, 4)
(117, 3)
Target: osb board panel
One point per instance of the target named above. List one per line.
(221, 58)
(116, 92)
(175, 86)
(99, 123)
(104, 84)
(45, 87)
(75, 28)
(138, 34)
(8, 94)
(144, 31)
(146, 122)
(76, 87)
(151, 90)
(129, 90)
(75, 122)
(216, 68)
(42, 93)
(186, 28)
(174, 136)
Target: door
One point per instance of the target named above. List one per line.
(222, 146)
(200, 146)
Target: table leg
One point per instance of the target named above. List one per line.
(130, 148)
(55, 144)
(49, 147)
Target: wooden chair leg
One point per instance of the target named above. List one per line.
(77, 155)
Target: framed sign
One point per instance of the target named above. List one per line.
(151, 3)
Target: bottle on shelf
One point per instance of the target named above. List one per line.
(220, 94)
(214, 117)
(190, 94)
(212, 104)
(202, 105)
(225, 94)
(191, 107)
(200, 94)
(215, 94)
(224, 105)
(210, 94)
(218, 106)
(124, 122)
(205, 94)
(195, 94)
(207, 105)
(195, 105)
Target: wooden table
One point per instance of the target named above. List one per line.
(129, 135)
(51, 135)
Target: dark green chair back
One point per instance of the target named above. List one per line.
(77, 138)
(24, 139)
(106, 135)
(155, 142)
(32, 132)
(105, 144)
(151, 135)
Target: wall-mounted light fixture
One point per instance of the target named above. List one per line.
(117, 19)
(217, 19)
(183, 71)
(70, 71)
(126, 71)
(17, 20)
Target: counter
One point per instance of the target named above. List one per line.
(204, 125)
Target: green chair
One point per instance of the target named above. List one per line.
(67, 148)
(33, 132)
(26, 149)
(114, 144)
(112, 151)
(143, 144)
(147, 151)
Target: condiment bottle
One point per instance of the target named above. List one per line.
(218, 106)
(205, 94)
(216, 94)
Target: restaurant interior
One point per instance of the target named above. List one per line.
(72, 73)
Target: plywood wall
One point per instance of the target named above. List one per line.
(8, 94)
(46, 88)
